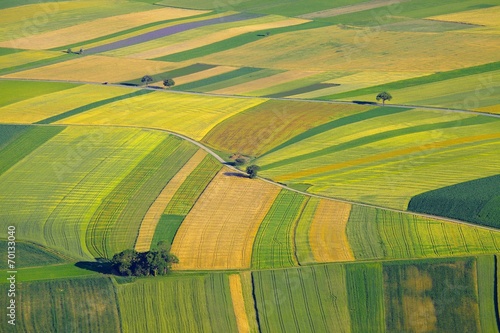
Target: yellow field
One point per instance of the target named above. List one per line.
(360, 80)
(99, 27)
(350, 9)
(203, 74)
(382, 156)
(238, 303)
(265, 82)
(218, 233)
(336, 49)
(21, 58)
(28, 20)
(491, 109)
(45, 106)
(153, 215)
(188, 114)
(96, 69)
(327, 235)
(485, 16)
(215, 37)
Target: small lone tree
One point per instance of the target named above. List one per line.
(147, 79)
(252, 170)
(384, 96)
(168, 83)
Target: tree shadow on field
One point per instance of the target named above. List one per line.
(100, 265)
(235, 174)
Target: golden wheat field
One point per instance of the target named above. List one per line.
(45, 106)
(188, 114)
(337, 49)
(97, 28)
(238, 303)
(327, 234)
(150, 220)
(218, 233)
(95, 68)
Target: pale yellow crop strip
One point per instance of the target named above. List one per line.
(327, 234)
(99, 27)
(203, 74)
(153, 215)
(383, 156)
(238, 303)
(96, 68)
(218, 233)
(265, 82)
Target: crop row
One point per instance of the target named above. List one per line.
(274, 246)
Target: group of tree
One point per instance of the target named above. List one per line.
(74, 52)
(133, 263)
(147, 79)
(252, 171)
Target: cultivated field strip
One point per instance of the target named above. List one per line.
(184, 199)
(21, 58)
(90, 69)
(156, 34)
(365, 290)
(217, 36)
(115, 224)
(327, 233)
(380, 234)
(97, 28)
(433, 295)
(180, 304)
(274, 243)
(309, 299)
(41, 107)
(21, 144)
(219, 231)
(486, 284)
(272, 123)
(190, 115)
(69, 305)
(303, 250)
(201, 75)
(51, 16)
(150, 220)
(75, 171)
(17, 91)
(238, 303)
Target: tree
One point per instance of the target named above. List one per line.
(154, 262)
(168, 83)
(240, 161)
(147, 79)
(384, 96)
(252, 170)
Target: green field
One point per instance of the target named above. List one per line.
(377, 233)
(309, 299)
(476, 201)
(274, 244)
(32, 255)
(184, 199)
(74, 305)
(178, 304)
(436, 296)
